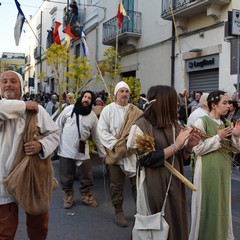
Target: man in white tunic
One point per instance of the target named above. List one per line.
(52, 105)
(199, 112)
(112, 120)
(12, 123)
(69, 101)
(77, 123)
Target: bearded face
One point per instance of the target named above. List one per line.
(86, 99)
(10, 86)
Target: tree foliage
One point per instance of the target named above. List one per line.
(135, 88)
(110, 68)
(80, 73)
(57, 57)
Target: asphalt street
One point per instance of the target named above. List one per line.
(84, 223)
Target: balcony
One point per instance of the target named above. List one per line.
(188, 8)
(67, 17)
(129, 33)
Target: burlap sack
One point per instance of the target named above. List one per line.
(31, 180)
(120, 148)
(120, 151)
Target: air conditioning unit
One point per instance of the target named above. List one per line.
(37, 52)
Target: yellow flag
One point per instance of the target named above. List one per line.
(122, 9)
(67, 40)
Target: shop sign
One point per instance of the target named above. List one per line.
(203, 63)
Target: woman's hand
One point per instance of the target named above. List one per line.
(223, 133)
(194, 139)
(182, 137)
(236, 129)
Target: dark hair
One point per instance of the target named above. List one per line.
(79, 109)
(214, 98)
(92, 94)
(162, 111)
(234, 103)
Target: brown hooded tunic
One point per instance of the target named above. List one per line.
(157, 180)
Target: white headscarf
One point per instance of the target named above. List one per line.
(19, 77)
(119, 85)
(203, 99)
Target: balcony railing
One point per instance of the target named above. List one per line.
(188, 8)
(176, 4)
(131, 27)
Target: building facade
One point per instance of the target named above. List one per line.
(185, 44)
(12, 61)
(208, 53)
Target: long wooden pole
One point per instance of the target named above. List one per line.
(180, 56)
(183, 179)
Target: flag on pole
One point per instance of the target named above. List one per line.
(56, 36)
(120, 14)
(84, 43)
(67, 41)
(67, 30)
(19, 23)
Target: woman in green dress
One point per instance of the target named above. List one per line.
(211, 203)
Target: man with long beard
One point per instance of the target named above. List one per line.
(77, 122)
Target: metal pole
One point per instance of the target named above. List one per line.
(41, 30)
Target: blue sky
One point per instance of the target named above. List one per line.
(8, 16)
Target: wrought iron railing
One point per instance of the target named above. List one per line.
(132, 23)
(176, 4)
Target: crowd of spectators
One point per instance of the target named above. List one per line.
(43, 98)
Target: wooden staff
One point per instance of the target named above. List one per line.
(175, 172)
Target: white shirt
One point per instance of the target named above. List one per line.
(110, 123)
(199, 112)
(69, 138)
(49, 107)
(12, 124)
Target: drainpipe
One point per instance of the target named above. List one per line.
(173, 56)
(41, 48)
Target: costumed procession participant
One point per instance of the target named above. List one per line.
(211, 204)
(160, 122)
(13, 112)
(200, 111)
(69, 101)
(52, 105)
(77, 123)
(113, 128)
(98, 107)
